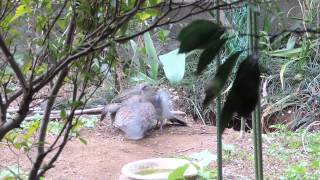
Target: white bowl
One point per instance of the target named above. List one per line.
(156, 168)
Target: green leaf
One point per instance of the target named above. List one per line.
(210, 53)
(177, 174)
(152, 55)
(145, 15)
(141, 77)
(285, 53)
(83, 141)
(124, 28)
(63, 114)
(173, 66)
(291, 42)
(20, 11)
(204, 158)
(198, 34)
(134, 47)
(282, 70)
(220, 79)
(154, 2)
(163, 35)
(244, 94)
(315, 164)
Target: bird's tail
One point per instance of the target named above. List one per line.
(178, 121)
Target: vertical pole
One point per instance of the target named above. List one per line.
(218, 114)
(242, 127)
(256, 115)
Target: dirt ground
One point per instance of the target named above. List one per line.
(108, 150)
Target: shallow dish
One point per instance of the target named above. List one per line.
(156, 168)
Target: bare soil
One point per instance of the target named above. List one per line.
(108, 150)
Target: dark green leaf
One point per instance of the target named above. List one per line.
(154, 2)
(210, 53)
(124, 28)
(198, 34)
(244, 93)
(221, 77)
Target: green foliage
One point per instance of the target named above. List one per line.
(244, 95)
(147, 14)
(178, 173)
(228, 149)
(236, 42)
(145, 62)
(203, 158)
(23, 9)
(163, 35)
(56, 126)
(199, 34)
(303, 171)
(200, 161)
(287, 146)
(151, 55)
(13, 173)
(220, 79)
(212, 50)
(145, 66)
(22, 139)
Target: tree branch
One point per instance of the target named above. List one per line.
(3, 112)
(9, 58)
(21, 114)
(46, 117)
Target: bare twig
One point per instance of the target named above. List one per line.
(55, 20)
(9, 58)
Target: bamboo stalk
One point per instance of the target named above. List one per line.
(256, 115)
(242, 128)
(218, 115)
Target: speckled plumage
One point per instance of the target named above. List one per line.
(142, 108)
(136, 119)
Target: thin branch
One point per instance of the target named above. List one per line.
(90, 47)
(61, 147)
(66, 135)
(22, 113)
(3, 112)
(46, 117)
(55, 20)
(9, 58)
(157, 23)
